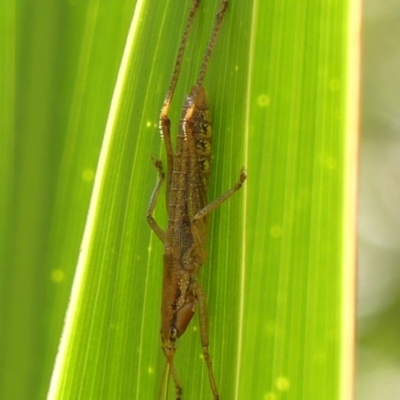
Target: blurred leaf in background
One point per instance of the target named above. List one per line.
(379, 222)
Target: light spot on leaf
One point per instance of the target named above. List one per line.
(263, 100)
(282, 383)
(57, 275)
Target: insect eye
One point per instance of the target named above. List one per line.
(173, 333)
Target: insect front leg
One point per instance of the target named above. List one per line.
(216, 203)
(165, 128)
(203, 318)
(153, 200)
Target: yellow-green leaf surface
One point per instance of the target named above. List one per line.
(59, 63)
(282, 87)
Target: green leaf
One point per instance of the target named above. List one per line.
(282, 87)
(59, 64)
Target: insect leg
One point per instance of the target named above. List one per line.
(165, 125)
(203, 318)
(153, 200)
(178, 387)
(216, 203)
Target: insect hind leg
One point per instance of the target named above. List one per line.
(203, 319)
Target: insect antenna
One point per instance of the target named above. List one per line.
(164, 389)
(211, 43)
(178, 61)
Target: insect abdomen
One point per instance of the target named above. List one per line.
(202, 133)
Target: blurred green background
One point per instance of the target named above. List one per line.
(379, 212)
(39, 58)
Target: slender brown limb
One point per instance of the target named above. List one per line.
(153, 200)
(216, 203)
(178, 386)
(203, 319)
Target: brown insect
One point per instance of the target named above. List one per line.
(188, 171)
